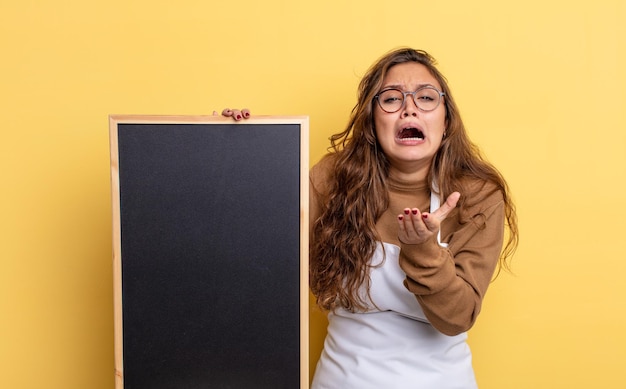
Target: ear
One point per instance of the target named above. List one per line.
(447, 121)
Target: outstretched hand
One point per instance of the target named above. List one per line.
(416, 227)
(235, 113)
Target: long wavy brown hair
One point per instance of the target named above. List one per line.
(344, 235)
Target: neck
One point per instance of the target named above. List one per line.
(409, 173)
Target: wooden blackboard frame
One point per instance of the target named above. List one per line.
(115, 121)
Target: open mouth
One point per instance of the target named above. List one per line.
(411, 133)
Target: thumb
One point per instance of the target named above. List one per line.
(447, 207)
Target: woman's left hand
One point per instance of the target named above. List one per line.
(416, 227)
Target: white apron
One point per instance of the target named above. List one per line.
(392, 345)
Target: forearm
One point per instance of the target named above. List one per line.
(448, 301)
(450, 283)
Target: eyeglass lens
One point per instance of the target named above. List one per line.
(392, 100)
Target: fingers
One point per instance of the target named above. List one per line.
(415, 227)
(236, 114)
(411, 227)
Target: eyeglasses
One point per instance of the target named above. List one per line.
(426, 98)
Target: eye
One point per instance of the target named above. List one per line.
(391, 99)
(391, 96)
(425, 97)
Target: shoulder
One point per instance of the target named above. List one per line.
(322, 172)
(481, 208)
(481, 196)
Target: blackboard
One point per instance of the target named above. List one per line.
(210, 238)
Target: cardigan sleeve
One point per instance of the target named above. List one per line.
(450, 283)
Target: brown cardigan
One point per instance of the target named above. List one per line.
(449, 283)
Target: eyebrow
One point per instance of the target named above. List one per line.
(399, 87)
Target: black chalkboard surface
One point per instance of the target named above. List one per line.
(210, 252)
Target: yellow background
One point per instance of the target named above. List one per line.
(541, 85)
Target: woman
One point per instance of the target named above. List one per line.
(403, 278)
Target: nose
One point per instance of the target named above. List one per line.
(410, 107)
